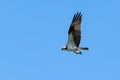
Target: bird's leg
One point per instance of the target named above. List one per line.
(77, 51)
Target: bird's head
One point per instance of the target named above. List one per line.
(64, 48)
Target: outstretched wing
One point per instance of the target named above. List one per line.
(74, 33)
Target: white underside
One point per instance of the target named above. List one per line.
(71, 45)
(71, 48)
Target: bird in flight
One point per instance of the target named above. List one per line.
(74, 35)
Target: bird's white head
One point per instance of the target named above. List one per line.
(64, 48)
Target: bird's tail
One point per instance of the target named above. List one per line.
(84, 48)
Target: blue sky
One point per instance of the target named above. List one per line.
(32, 33)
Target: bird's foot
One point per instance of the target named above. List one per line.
(78, 52)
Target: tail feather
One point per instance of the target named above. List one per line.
(84, 48)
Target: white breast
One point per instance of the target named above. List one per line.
(71, 47)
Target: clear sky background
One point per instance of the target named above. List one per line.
(32, 33)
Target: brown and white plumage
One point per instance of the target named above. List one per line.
(74, 35)
(75, 29)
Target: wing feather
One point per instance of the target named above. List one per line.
(75, 30)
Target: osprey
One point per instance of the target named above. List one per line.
(74, 35)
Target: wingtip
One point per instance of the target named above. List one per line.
(84, 48)
(77, 16)
(78, 13)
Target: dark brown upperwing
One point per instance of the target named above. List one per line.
(75, 28)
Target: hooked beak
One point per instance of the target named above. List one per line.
(62, 49)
